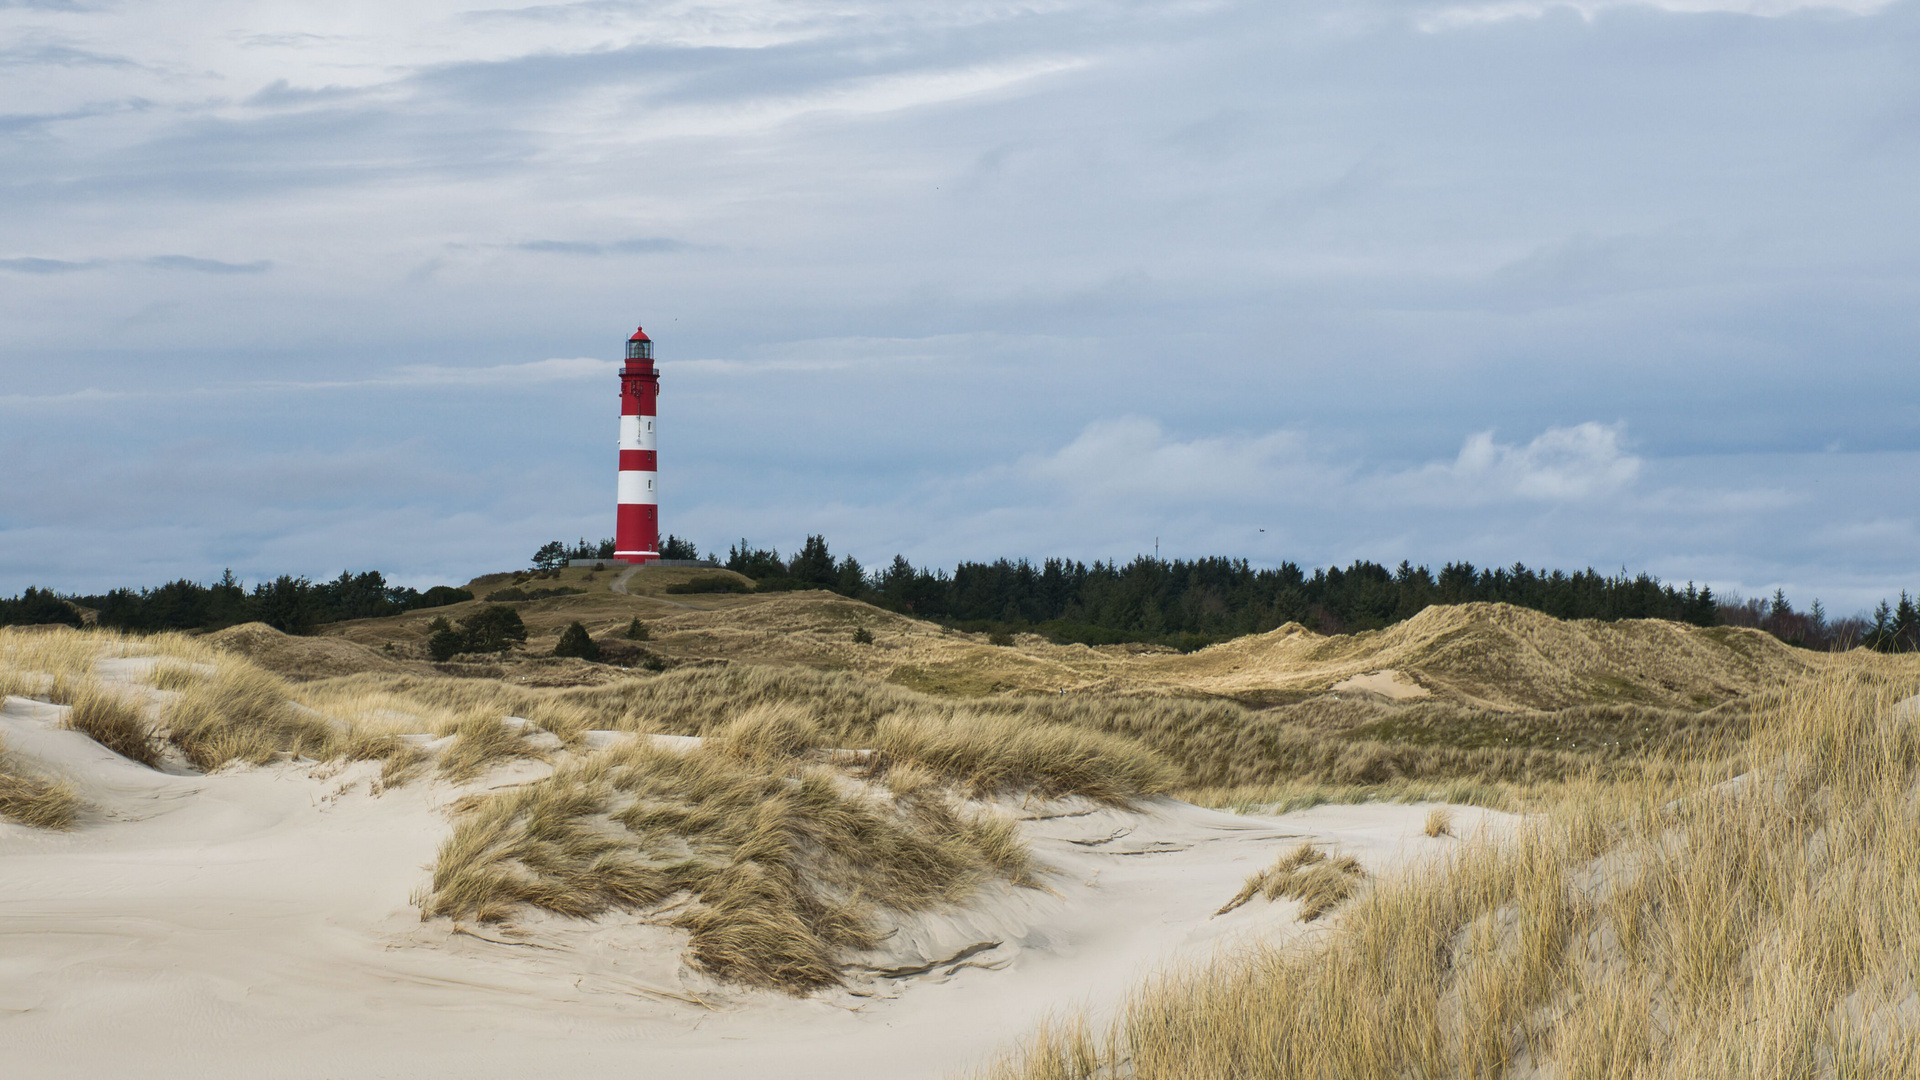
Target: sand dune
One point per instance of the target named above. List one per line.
(262, 921)
(1483, 655)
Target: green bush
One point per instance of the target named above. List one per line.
(442, 595)
(575, 641)
(637, 630)
(442, 645)
(1000, 638)
(862, 636)
(494, 628)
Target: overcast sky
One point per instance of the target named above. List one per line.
(307, 287)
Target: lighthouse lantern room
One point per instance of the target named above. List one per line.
(637, 518)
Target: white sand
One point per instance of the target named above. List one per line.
(258, 922)
(1387, 683)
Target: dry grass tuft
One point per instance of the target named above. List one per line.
(1760, 928)
(769, 732)
(32, 801)
(114, 722)
(782, 712)
(55, 651)
(783, 864)
(1439, 822)
(245, 714)
(1305, 874)
(402, 761)
(989, 753)
(483, 740)
(175, 677)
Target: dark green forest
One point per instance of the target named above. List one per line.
(291, 604)
(1193, 603)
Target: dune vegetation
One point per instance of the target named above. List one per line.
(114, 722)
(781, 861)
(1720, 891)
(33, 800)
(1761, 927)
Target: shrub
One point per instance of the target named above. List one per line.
(443, 641)
(862, 636)
(1000, 637)
(575, 641)
(637, 630)
(494, 628)
(442, 595)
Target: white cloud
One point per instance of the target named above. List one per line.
(1132, 458)
(1562, 464)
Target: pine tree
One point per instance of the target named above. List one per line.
(1906, 625)
(552, 554)
(575, 641)
(637, 630)
(1881, 636)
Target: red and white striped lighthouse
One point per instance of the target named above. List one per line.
(637, 521)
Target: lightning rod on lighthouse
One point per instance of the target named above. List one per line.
(637, 518)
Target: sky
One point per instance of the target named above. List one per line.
(299, 288)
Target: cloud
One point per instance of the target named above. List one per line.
(1560, 465)
(279, 93)
(527, 374)
(47, 266)
(34, 265)
(206, 266)
(1133, 459)
(638, 245)
(55, 55)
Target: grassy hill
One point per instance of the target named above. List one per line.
(1486, 656)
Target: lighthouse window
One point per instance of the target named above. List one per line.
(639, 350)
(649, 485)
(649, 425)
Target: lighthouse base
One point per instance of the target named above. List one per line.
(636, 557)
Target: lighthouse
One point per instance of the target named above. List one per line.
(637, 519)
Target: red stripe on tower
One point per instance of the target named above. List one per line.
(636, 531)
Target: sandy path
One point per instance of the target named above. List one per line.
(258, 923)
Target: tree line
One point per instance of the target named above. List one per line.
(1192, 603)
(291, 604)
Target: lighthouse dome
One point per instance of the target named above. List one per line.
(639, 346)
